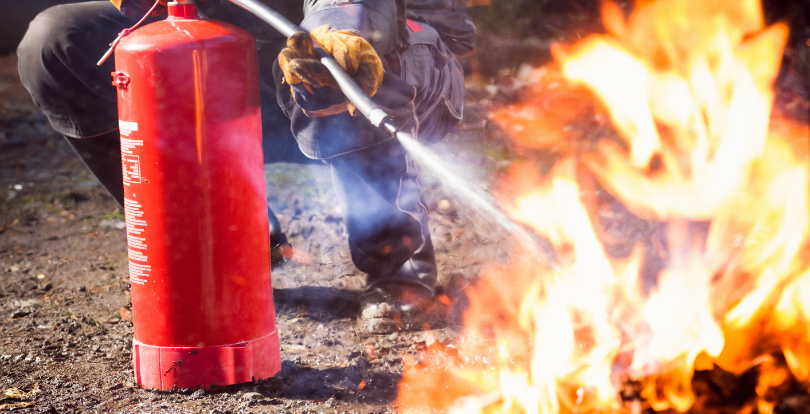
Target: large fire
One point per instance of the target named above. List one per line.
(718, 187)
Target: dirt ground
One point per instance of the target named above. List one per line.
(65, 330)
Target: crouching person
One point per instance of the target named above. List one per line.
(395, 53)
(399, 52)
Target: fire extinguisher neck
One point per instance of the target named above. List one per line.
(183, 9)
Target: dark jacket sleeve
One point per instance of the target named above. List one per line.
(375, 20)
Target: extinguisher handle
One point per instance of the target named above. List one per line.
(373, 112)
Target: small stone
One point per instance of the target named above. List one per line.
(27, 303)
(112, 224)
(41, 276)
(14, 268)
(252, 396)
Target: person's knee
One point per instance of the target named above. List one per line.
(58, 53)
(45, 33)
(44, 42)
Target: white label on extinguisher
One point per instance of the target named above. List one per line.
(131, 169)
(127, 145)
(139, 269)
(129, 126)
(138, 272)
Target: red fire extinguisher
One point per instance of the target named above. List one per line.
(195, 203)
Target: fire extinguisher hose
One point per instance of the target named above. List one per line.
(380, 119)
(373, 112)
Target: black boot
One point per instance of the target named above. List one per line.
(404, 300)
(398, 307)
(278, 240)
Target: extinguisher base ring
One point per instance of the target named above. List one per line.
(168, 367)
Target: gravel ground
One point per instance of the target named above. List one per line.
(65, 329)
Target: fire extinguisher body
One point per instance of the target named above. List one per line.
(195, 204)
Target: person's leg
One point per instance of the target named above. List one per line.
(387, 224)
(57, 65)
(377, 183)
(385, 218)
(102, 156)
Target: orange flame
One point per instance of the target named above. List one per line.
(687, 86)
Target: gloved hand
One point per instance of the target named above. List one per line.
(313, 87)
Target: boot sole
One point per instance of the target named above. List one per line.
(387, 325)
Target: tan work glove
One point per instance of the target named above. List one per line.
(307, 76)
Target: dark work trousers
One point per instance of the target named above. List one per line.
(377, 186)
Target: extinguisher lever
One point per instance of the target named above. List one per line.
(373, 112)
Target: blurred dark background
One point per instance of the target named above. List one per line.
(511, 32)
(517, 19)
(15, 16)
